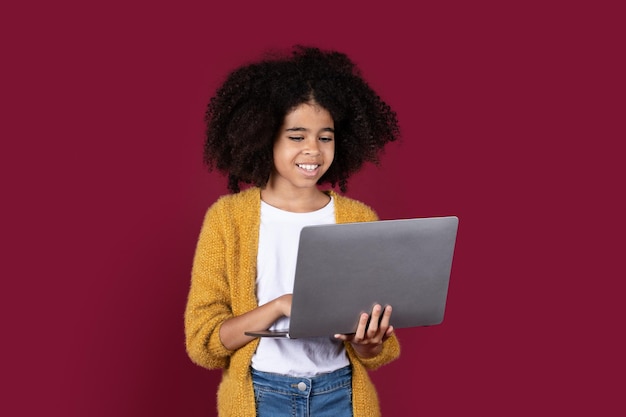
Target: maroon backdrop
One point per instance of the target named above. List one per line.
(511, 118)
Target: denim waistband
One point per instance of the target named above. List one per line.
(312, 385)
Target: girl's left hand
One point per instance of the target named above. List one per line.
(368, 339)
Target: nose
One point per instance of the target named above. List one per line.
(311, 147)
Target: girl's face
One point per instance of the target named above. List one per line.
(304, 148)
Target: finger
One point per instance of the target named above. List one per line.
(361, 328)
(384, 323)
(344, 337)
(374, 320)
(388, 333)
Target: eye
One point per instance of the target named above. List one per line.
(326, 139)
(296, 138)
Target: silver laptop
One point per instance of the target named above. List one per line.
(345, 269)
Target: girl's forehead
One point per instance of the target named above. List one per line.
(309, 111)
(308, 106)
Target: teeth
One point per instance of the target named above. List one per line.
(308, 167)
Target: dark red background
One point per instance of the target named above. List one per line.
(512, 118)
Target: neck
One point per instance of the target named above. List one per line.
(297, 201)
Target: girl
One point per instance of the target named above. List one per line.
(282, 126)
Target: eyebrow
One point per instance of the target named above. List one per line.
(303, 129)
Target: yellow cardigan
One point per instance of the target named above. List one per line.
(223, 285)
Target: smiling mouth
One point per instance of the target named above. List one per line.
(308, 167)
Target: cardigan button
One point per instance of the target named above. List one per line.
(302, 386)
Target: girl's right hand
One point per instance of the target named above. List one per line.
(232, 331)
(284, 304)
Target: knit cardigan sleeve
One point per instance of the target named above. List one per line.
(208, 302)
(222, 277)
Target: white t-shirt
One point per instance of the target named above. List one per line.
(276, 265)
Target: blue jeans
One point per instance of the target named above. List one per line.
(325, 395)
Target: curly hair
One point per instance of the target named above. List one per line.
(245, 114)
